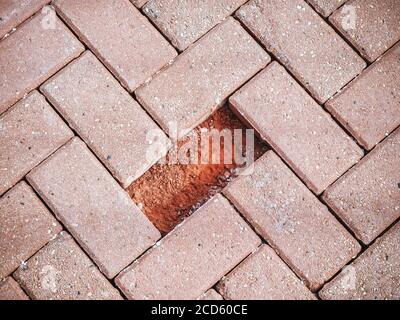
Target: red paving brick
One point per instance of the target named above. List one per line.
(302, 41)
(183, 22)
(326, 7)
(193, 257)
(202, 77)
(22, 71)
(120, 36)
(12, 13)
(210, 295)
(31, 130)
(263, 276)
(374, 275)
(369, 106)
(367, 198)
(292, 220)
(62, 271)
(25, 226)
(10, 290)
(316, 148)
(94, 208)
(112, 124)
(376, 28)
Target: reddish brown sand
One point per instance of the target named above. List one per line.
(168, 193)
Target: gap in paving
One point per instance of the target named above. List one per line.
(168, 193)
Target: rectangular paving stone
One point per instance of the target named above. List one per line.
(10, 290)
(375, 275)
(30, 131)
(25, 226)
(62, 271)
(369, 107)
(293, 221)
(367, 198)
(107, 118)
(326, 7)
(314, 146)
(193, 257)
(376, 25)
(93, 207)
(12, 12)
(120, 36)
(263, 276)
(302, 41)
(33, 53)
(202, 77)
(183, 22)
(210, 295)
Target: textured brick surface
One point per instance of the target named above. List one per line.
(203, 76)
(95, 209)
(326, 7)
(369, 107)
(10, 290)
(316, 148)
(183, 22)
(120, 36)
(367, 198)
(193, 257)
(12, 13)
(25, 226)
(373, 275)
(32, 54)
(292, 220)
(210, 295)
(318, 57)
(105, 116)
(263, 276)
(139, 3)
(62, 271)
(30, 131)
(376, 28)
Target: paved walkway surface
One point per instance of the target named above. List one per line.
(82, 82)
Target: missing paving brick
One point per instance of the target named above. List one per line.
(168, 193)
